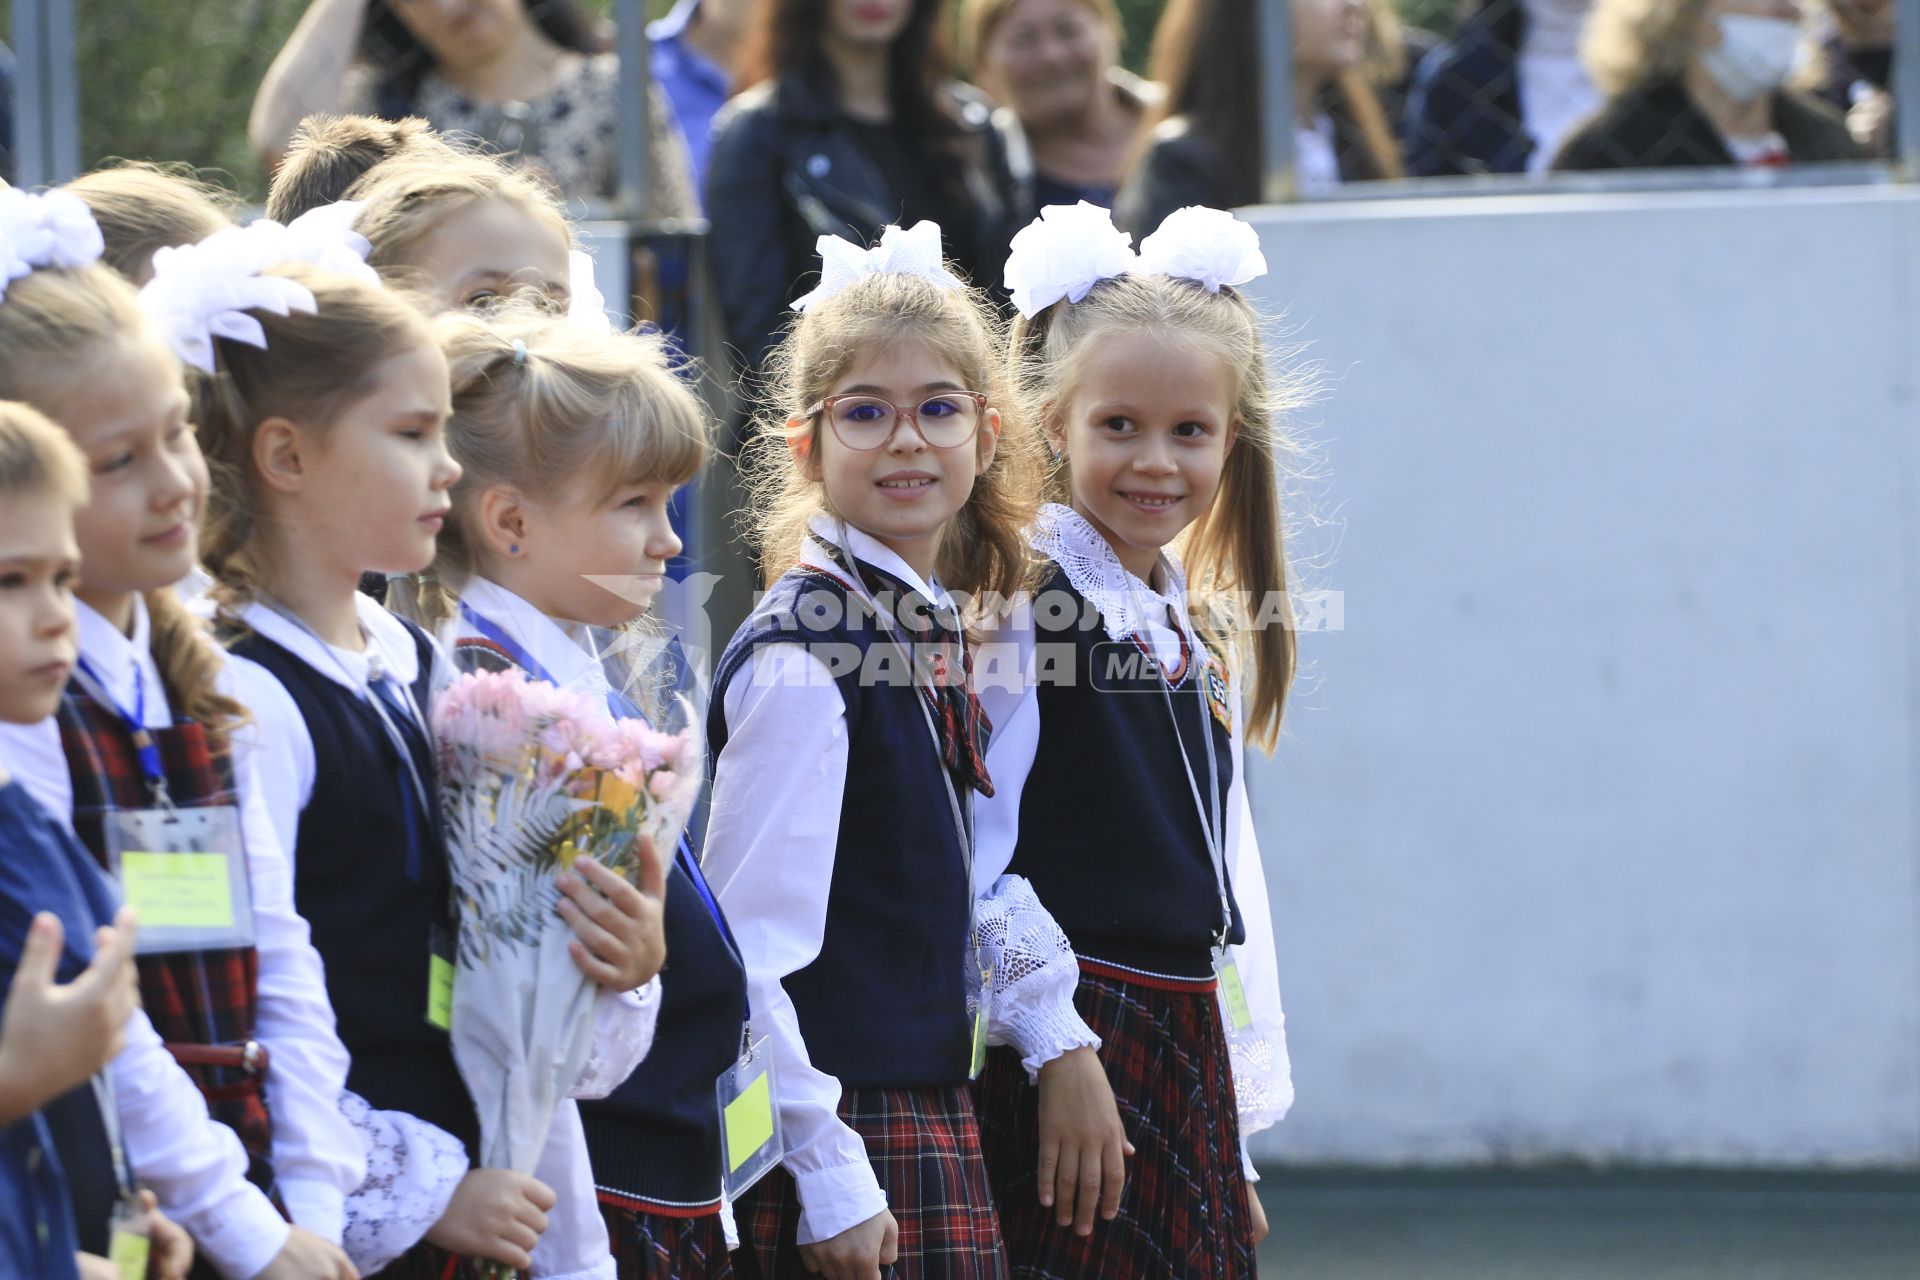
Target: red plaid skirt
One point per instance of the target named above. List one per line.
(191, 997)
(660, 1246)
(925, 1149)
(1183, 1215)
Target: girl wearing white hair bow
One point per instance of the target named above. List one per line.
(1117, 760)
(146, 743)
(848, 755)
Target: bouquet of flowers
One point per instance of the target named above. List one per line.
(532, 777)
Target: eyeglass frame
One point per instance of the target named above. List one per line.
(901, 413)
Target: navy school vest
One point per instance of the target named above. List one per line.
(1110, 837)
(884, 1003)
(372, 921)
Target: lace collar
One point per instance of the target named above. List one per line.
(1127, 605)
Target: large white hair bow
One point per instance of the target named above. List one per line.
(913, 252)
(51, 229)
(1063, 253)
(203, 291)
(586, 305)
(1208, 246)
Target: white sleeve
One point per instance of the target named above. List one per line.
(623, 1025)
(1262, 1071)
(1003, 679)
(771, 838)
(318, 1156)
(1034, 976)
(413, 1170)
(575, 1245)
(281, 748)
(193, 1164)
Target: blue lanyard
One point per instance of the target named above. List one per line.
(135, 720)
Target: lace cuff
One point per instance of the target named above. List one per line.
(1034, 976)
(412, 1170)
(623, 1023)
(1262, 1073)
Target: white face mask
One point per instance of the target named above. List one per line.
(1754, 57)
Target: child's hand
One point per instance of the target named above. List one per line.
(170, 1254)
(53, 1037)
(495, 1214)
(1083, 1149)
(1256, 1213)
(305, 1256)
(619, 938)
(857, 1253)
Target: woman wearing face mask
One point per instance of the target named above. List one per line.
(524, 76)
(1070, 110)
(1701, 82)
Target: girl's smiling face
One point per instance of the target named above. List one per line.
(1145, 435)
(904, 492)
(127, 412)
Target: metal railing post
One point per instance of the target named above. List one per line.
(1276, 92)
(46, 109)
(630, 42)
(1906, 86)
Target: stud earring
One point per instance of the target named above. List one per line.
(513, 548)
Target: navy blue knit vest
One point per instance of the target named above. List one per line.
(884, 1003)
(656, 1138)
(1110, 837)
(371, 921)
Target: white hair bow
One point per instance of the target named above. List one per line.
(1208, 246)
(203, 291)
(1063, 253)
(913, 252)
(51, 229)
(586, 305)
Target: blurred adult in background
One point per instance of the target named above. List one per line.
(1855, 70)
(525, 77)
(1206, 147)
(694, 48)
(852, 122)
(1701, 82)
(1503, 94)
(1070, 111)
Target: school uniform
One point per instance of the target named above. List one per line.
(371, 876)
(42, 869)
(1118, 755)
(834, 851)
(654, 1139)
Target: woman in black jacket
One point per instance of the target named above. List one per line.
(850, 124)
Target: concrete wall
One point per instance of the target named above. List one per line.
(1593, 834)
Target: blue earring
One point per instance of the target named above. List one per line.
(513, 548)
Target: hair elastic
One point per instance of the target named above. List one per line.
(519, 351)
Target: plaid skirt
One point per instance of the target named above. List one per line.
(1184, 1214)
(430, 1262)
(659, 1246)
(925, 1149)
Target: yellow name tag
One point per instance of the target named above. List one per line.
(977, 1062)
(128, 1253)
(440, 992)
(1239, 1012)
(178, 890)
(749, 1120)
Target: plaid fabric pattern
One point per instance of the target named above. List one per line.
(430, 1262)
(654, 1246)
(191, 997)
(957, 713)
(1183, 1215)
(925, 1149)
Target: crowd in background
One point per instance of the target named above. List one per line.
(782, 120)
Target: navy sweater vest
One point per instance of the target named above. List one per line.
(1110, 836)
(884, 1003)
(372, 922)
(656, 1138)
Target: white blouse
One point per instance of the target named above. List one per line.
(771, 841)
(1263, 1074)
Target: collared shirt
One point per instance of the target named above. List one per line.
(194, 1164)
(696, 85)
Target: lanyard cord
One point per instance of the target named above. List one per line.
(135, 721)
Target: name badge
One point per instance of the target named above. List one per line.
(982, 1010)
(129, 1242)
(185, 872)
(1233, 993)
(751, 1142)
(440, 979)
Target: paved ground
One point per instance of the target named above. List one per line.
(1336, 1225)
